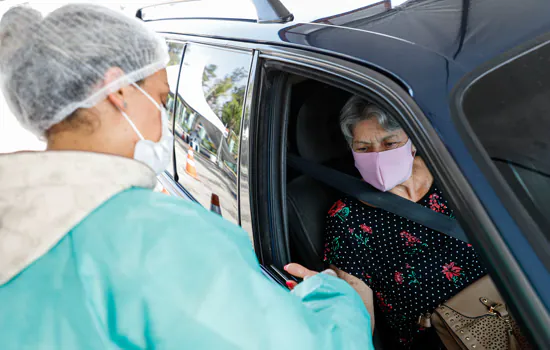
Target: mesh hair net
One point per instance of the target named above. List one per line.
(53, 66)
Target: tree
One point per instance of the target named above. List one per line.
(175, 52)
(232, 109)
(208, 74)
(238, 74)
(222, 86)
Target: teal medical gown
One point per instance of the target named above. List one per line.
(146, 271)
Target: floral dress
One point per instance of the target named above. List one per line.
(410, 268)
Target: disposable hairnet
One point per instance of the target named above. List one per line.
(53, 66)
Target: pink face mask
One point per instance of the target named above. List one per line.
(385, 170)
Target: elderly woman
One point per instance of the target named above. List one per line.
(410, 268)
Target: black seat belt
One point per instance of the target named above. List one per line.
(388, 201)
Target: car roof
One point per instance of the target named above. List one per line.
(467, 32)
(427, 46)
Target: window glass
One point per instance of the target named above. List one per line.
(509, 110)
(208, 114)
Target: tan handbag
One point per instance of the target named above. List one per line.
(476, 318)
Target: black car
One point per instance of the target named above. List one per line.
(261, 89)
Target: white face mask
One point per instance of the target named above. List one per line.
(156, 155)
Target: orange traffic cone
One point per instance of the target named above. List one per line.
(215, 204)
(160, 188)
(190, 167)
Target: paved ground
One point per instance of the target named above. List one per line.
(211, 179)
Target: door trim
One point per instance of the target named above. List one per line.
(246, 217)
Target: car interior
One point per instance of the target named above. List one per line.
(304, 119)
(314, 134)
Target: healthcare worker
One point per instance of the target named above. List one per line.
(90, 256)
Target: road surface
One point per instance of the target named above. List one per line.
(211, 179)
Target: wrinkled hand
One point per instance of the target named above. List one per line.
(360, 287)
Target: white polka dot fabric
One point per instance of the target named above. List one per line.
(411, 268)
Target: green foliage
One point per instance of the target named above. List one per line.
(214, 88)
(232, 110)
(209, 145)
(209, 73)
(175, 52)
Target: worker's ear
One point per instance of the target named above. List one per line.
(116, 97)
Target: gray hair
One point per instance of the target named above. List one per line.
(357, 110)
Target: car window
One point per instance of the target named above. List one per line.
(509, 111)
(208, 112)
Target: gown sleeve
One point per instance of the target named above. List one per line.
(182, 277)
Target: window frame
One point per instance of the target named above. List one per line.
(269, 214)
(534, 235)
(173, 187)
(517, 211)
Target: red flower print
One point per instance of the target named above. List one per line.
(331, 250)
(407, 266)
(404, 341)
(368, 278)
(413, 243)
(398, 277)
(366, 229)
(326, 252)
(436, 204)
(411, 240)
(469, 245)
(451, 271)
(339, 210)
(336, 208)
(361, 238)
(382, 302)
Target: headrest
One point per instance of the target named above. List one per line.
(318, 135)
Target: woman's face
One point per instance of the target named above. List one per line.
(370, 136)
(142, 111)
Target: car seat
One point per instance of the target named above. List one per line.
(318, 139)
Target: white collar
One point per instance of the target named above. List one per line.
(43, 195)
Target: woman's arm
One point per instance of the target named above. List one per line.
(190, 279)
(362, 289)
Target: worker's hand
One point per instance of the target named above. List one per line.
(299, 271)
(358, 285)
